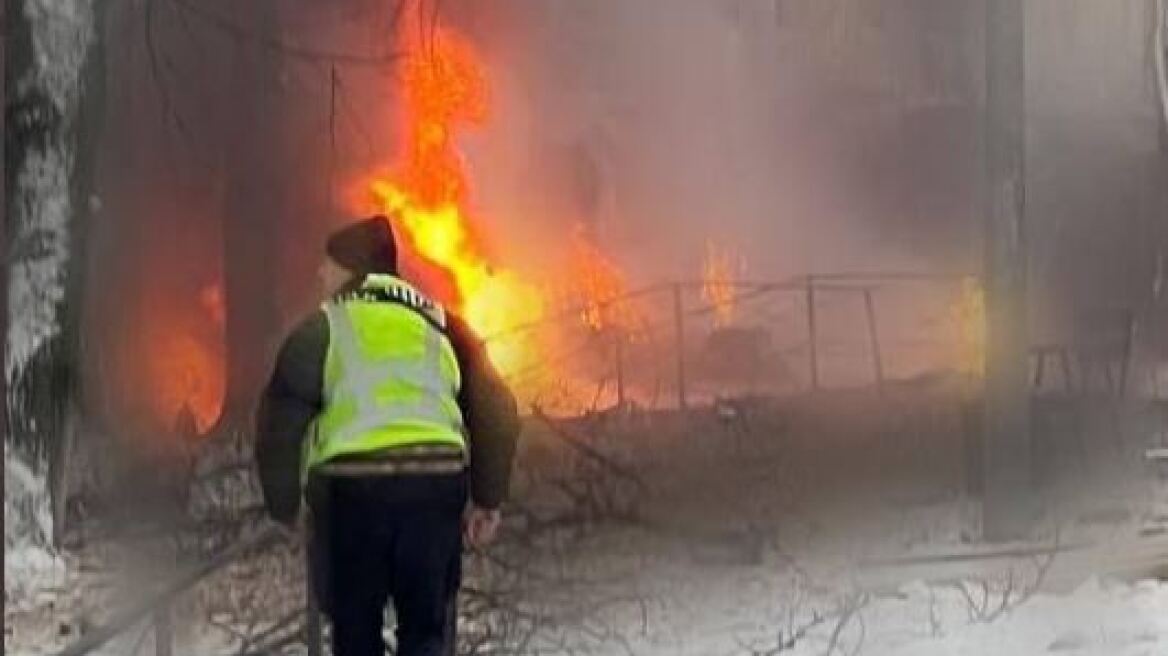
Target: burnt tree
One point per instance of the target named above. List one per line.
(254, 206)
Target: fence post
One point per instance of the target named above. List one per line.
(312, 624)
(1129, 337)
(874, 338)
(163, 632)
(813, 340)
(679, 334)
(619, 354)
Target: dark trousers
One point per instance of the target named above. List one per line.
(382, 538)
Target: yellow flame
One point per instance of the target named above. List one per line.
(492, 302)
(719, 272)
(599, 287)
(443, 89)
(968, 316)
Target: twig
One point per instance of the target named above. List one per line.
(575, 442)
(851, 606)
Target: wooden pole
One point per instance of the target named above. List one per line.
(1039, 368)
(1065, 365)
(1129, 338)
(812, 336)
(619, 355)
(163, 632)
(679, 335)
(1007, 490)
(874, 339)
(312, 624)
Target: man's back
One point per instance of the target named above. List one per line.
(297, 393)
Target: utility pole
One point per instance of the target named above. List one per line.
(679, 337)
(1007, 496)
(874, 339)
(812, 335)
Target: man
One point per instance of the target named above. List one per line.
(389, 409)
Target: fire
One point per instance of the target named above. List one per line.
(184, 363)
(598, 286)
(968, 316)
(444, 91)
(190, 378)
(211, 298)
(719, 272)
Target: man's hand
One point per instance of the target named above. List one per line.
(480, 526)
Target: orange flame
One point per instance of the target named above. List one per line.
(967, 316)
(211, 298)
(187, 375)
(183, 360)
(444, 90)
(598, 286)
(719, 272)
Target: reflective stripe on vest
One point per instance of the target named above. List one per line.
(363, 412)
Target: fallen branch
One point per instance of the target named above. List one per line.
(580, 445)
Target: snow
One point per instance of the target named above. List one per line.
(30, 567)
(721, 567)
(31, 573)
(717, 565)
(62, 31)
(37, 284)
(1100, 618)
(695, 610)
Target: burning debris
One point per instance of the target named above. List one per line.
(598, 287)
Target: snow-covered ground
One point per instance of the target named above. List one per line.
(31, 569)
(742, 613)
(810, 534)
(654, 595)
(804, 535)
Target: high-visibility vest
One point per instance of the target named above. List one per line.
(391, 378)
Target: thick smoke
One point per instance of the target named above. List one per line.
(722, 121)
(817, 137)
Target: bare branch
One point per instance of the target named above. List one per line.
(286, 48)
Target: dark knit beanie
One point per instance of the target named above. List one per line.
(366, 246)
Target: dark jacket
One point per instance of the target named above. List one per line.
(294, 397)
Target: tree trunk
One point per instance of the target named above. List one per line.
(53, 68)
(254, 208)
